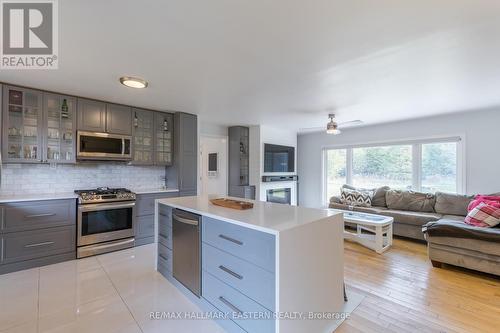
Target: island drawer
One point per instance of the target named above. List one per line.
(251, 280)
(236, 305)
(165, 257)
(254, 246)
(37, 215)
(19, 246)
(145, 203)
(165, 231)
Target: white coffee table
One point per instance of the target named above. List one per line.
(372, 231)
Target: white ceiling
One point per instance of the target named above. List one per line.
(281, 62)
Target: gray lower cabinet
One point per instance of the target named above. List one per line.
(144, 219)
(184, 171)
(37, 233)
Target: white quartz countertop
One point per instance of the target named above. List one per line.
(264, 216)
(154, 190)
(36, 197)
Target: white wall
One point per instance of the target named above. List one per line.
(214, 184)
(260, 135)
(482, 137)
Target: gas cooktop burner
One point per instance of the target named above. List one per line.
(104, 194)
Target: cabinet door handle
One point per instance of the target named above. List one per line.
(39, 215)
(38, 244)
(230, 305)
(230, 272)
(163, 257)
(232, 240)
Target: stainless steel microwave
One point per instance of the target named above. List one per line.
(103, 146)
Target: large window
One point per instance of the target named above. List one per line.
(426, 165)
(439, 167)
(379, 166)
(336, 175)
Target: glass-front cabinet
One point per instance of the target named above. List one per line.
(60, 127)
(163, 138)
(37, 126)
(22, 130)
(143, 136)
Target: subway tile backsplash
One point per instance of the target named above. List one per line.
(34, 179)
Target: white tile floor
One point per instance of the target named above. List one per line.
(114, 292)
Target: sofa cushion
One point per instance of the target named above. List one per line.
(452, 204)
(410, 201)
(483, 215)
(370, 210)
(458, 218)
(378, 198)
(456, 229)
(413, 218)
(361, 198)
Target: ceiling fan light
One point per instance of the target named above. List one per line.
(332, 128)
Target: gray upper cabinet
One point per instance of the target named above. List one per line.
(60, 128)
(143, 136)
(163, 138)
(95, 116)
(91, 115)
(118, 119)
(186, 146)
(22, 125)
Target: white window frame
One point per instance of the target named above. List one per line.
(416, 160)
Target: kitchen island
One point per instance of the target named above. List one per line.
(273, 268)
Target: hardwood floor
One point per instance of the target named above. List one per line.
(404, 293)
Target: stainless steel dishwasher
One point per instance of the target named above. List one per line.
(186, 249)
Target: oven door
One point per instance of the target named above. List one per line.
(105, 222)
(103, 146)
(280, 195)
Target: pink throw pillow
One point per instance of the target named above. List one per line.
(490, 200)
(484, 215)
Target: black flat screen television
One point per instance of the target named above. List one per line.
(279, 158)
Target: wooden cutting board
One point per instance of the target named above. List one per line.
(233, 204)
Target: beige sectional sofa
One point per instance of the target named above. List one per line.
(413, 211)
(438, 219)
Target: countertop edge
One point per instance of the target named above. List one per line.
(232, 221)
(155, 191)
(37, 197)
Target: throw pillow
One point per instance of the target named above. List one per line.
(378, 198)
(491, 200)
(483, 215)
(356, 197)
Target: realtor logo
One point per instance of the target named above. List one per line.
(29, 34)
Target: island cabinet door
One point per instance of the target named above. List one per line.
(251, 245)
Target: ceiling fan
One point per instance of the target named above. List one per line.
(333, 127)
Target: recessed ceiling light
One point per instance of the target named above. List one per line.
(133, 82)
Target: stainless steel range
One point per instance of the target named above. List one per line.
(106, 219)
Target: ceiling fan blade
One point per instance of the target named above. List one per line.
(311, 129)
(351, 123)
